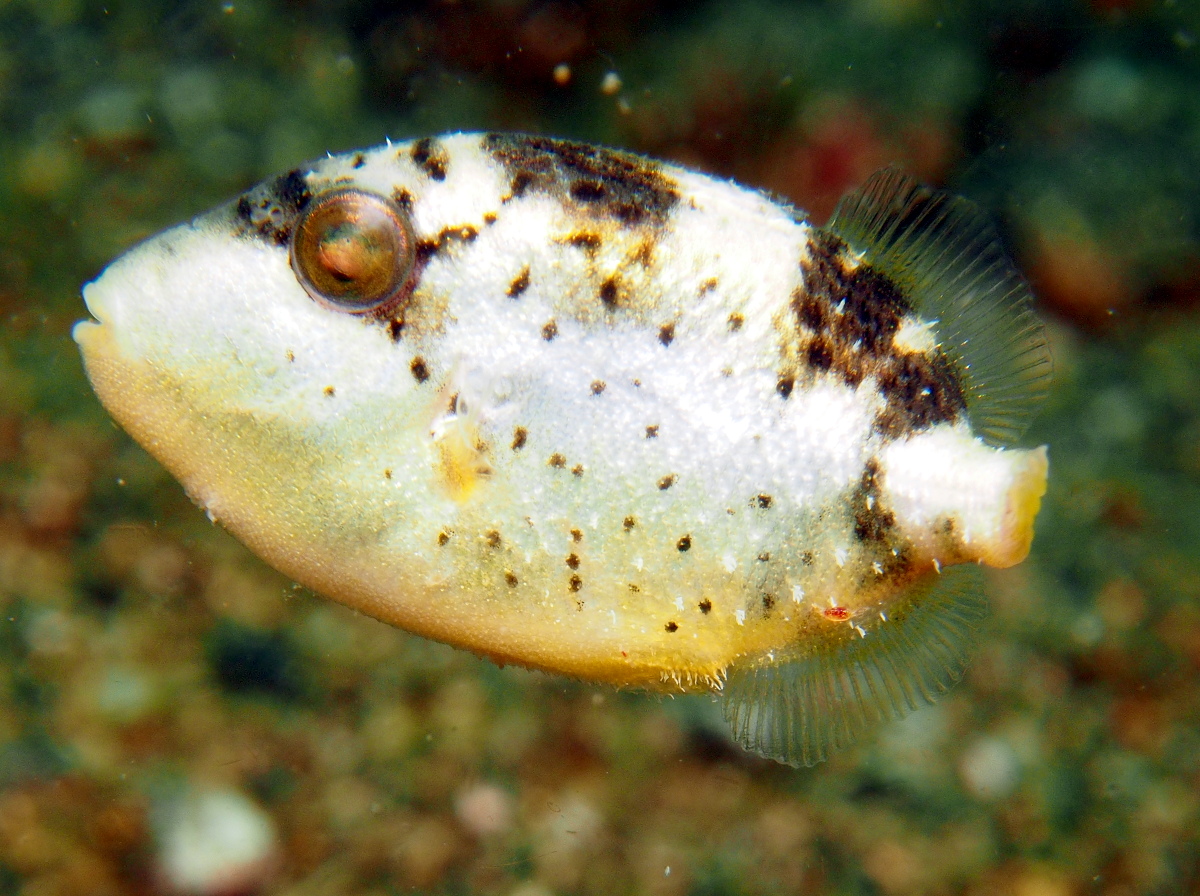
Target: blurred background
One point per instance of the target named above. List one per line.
(177, 718)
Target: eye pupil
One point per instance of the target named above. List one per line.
(353, 251)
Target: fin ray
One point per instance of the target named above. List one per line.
(945, 255)
(800, 708)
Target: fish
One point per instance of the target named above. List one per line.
(581, 411)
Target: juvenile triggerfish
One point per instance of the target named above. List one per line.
(585, 412)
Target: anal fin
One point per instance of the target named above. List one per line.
(799, 708)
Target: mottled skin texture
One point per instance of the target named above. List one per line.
(625, 421)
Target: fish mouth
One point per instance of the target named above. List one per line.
(94, 335)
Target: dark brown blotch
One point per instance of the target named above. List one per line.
(652, 431)
(574, 583)
(573, 561)
(921, 390)
(419, 369)
(601, 182)
(672, 626)
(705, 606)
(847, 314)
(666, 334)
(520, 434)
(588, 191)
(557, 461)
(628, 523)
(819, 354)
(549, 330)
(684, 543)
(764, 501)
(492, 538)
(666, 482)
(598, 387)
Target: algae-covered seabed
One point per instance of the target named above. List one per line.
(148, 662)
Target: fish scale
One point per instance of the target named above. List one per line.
(582, 411)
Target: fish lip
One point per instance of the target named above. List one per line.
(89, 332)
(94, 301)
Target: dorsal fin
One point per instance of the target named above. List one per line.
(796, 709)
(944, 254)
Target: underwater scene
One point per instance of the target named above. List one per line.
(179, 717)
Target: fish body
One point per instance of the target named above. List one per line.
(582, 411)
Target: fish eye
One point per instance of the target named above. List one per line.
(353, 251)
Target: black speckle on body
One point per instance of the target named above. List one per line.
(430, 156)
(269, 211)
(586, 240)
(602, 182)
(519, 283)
(872, 521)
(610, 292)
(292, 191)
(402, 198)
